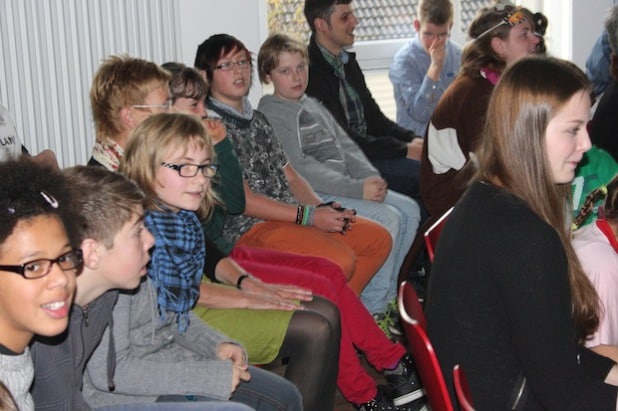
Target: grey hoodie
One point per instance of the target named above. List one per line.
(60, 362)
(153, 359)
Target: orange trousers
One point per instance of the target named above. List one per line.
(359, 252)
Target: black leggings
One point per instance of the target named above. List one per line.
(311, 346)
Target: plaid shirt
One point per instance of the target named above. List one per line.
(177, 261)
(350, 100)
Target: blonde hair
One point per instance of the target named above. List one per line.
(119, 82)
(513, 155)
(152, 140)
(273, 46)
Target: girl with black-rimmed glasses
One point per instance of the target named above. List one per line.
(38, 265)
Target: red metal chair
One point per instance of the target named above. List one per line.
(422, 350)
(433, 233)
(413, 306)
(462, 389)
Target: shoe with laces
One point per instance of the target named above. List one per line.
(382, 403)
(403, 382)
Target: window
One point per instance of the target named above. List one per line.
(384, 27)
(380, 19)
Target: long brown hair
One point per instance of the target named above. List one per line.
(513, 155)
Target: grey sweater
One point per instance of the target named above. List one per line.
(152, 359)
(16, 373)
(316, 145)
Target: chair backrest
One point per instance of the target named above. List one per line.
(462, 389)
(433, 233)
(425, 359)
(412, 304)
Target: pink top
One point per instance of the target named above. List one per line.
(600, 262)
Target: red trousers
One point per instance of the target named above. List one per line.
(358, 328)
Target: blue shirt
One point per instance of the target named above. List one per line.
(416, 95)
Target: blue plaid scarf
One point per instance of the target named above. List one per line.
(177, 261)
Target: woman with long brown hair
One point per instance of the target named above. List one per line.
(508, 299)
(499, 35)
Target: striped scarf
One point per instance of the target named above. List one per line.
(177, 261)
(348, 96)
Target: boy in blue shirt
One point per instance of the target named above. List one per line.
(424, 68)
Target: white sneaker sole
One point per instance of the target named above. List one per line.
(409, 397)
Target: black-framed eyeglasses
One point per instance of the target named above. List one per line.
(191, 170)
(243, 64)
(40, 268)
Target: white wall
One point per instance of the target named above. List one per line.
(587, 21)
(244, 19)
(574, 27)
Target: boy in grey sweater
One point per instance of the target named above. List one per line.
(331, 161)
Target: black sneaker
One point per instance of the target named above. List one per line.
(404, 384)
(382, 403)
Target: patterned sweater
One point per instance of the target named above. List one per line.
(261, 158)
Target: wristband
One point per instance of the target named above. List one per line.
(299, 214)
(310, 216)
(241, 279)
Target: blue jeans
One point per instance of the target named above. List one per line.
(400, 215)
(265, 391)
(402, 175)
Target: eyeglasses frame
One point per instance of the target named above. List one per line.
(178, 168)
(166, 107)
(21, 268)
(243, 64)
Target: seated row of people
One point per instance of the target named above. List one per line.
(112, 157)
(298, 306)
(358, 329)
(306, 331)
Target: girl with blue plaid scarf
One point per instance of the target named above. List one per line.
(170, 157)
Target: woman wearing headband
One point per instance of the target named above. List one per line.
(500, 35)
